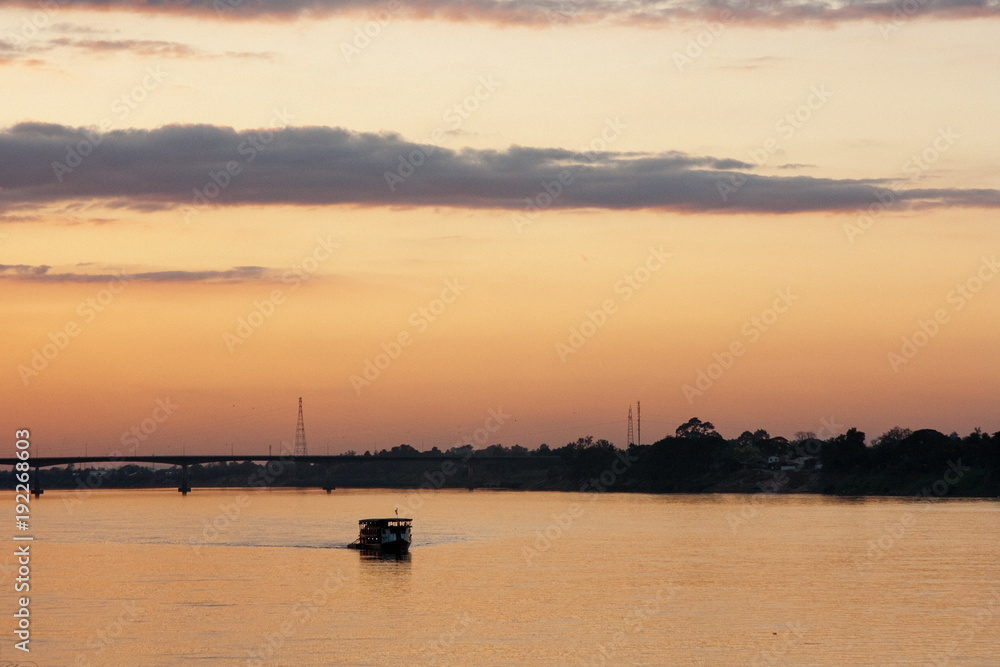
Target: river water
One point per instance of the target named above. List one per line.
(247, 577)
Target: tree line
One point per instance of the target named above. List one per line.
(694, 459)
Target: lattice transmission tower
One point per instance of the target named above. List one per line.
(638, 423)
(300, 435)
(630, 439)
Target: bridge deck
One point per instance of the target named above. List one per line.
(196, 459)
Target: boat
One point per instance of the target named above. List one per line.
(385, 535)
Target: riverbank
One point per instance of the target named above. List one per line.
(956, 480)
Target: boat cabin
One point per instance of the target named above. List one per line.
(383, 533)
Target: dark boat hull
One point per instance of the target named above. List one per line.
(395, 547)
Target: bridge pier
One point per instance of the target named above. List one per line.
(185, 486)
(327, 486)
(36, 484)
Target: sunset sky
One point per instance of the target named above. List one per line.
(413, 213)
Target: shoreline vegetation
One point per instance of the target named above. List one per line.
(696, 459)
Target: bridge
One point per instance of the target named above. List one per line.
(186, 460)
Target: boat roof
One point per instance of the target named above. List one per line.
(392, 518)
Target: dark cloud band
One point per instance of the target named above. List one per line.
(196, 166)
(777, 12)
(44, 274)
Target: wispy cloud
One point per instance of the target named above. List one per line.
(139, 47)
(80, 29)
(44, 273)
(23, 270)
(33, 52)
(768, 12)
(170, 166)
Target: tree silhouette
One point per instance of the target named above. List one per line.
(696, 428)
(846, 452)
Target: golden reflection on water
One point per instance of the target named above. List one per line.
(240, 577)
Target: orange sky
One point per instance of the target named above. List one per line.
(493, 314)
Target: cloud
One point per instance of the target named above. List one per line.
(195, 166)
(23, 270)
(34, 217)
(139, 47)
(9, 52)
(12, 52)
(150, 48)
(769, 12)
(42, 273)
(80, 29)
(74, 39)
